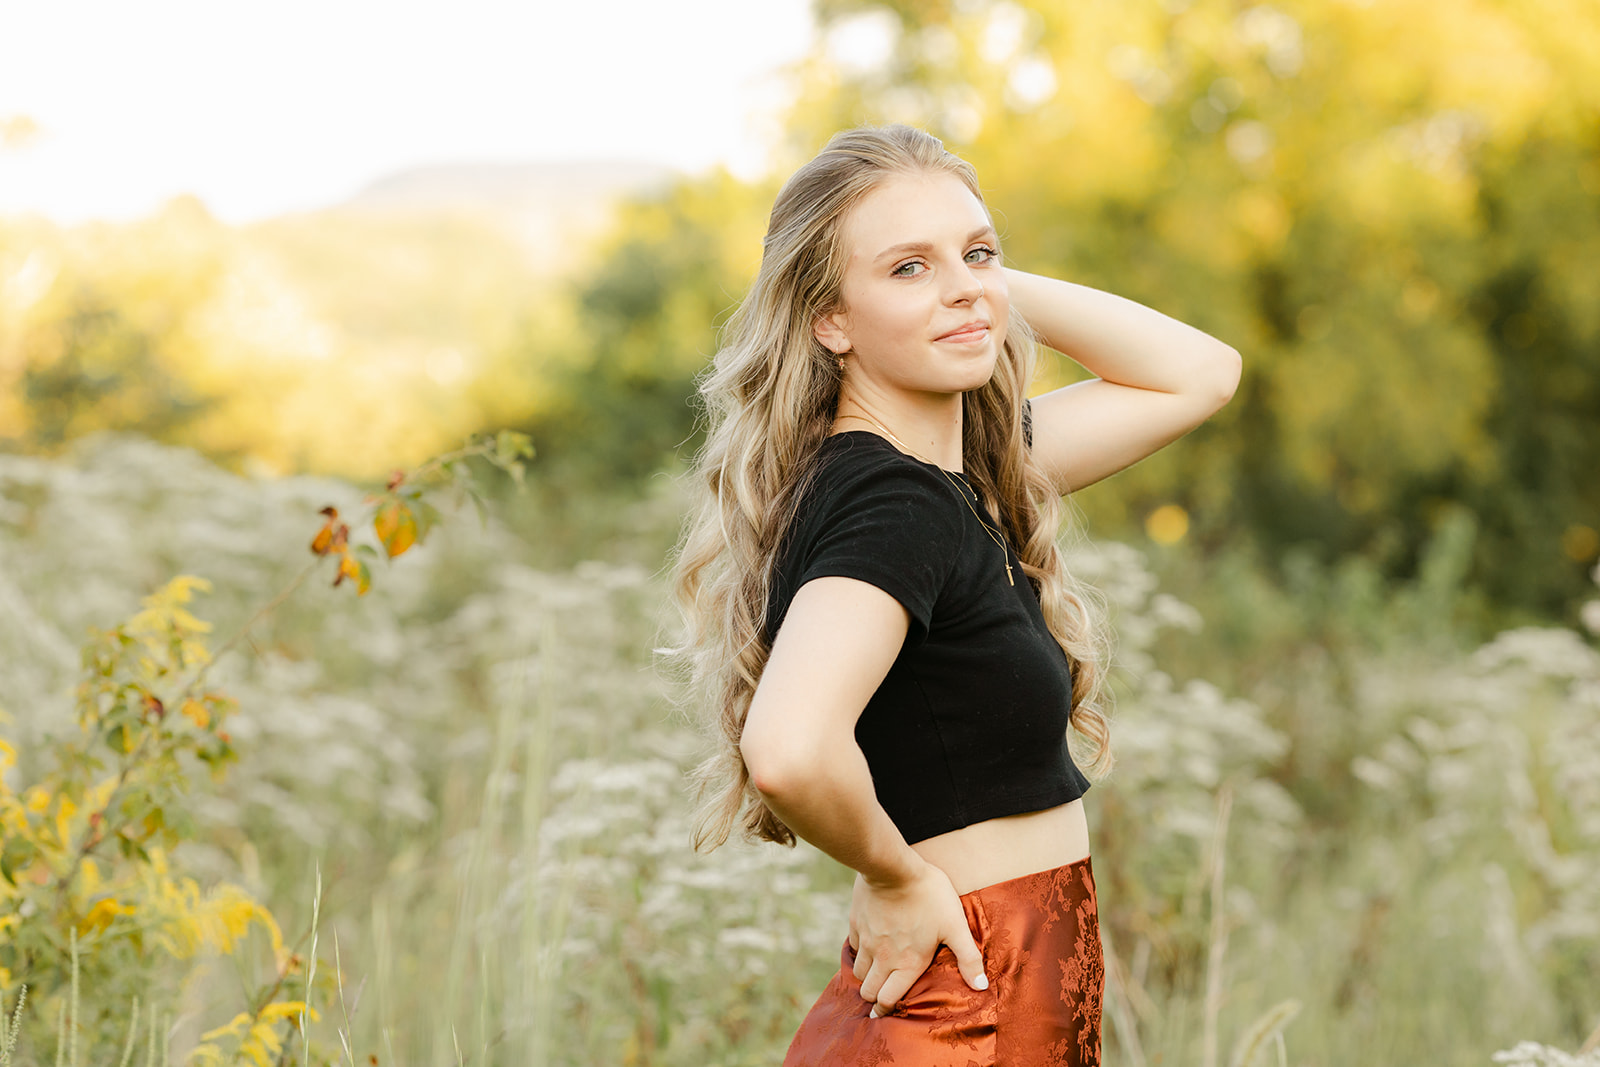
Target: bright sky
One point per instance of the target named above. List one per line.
(262, 107)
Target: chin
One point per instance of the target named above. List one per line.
(981, 375)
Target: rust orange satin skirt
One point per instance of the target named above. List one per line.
(1040, 939)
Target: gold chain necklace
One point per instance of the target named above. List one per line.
(954, 484)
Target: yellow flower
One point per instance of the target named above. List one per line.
(197, 711)
(65, 810)
(103, 914)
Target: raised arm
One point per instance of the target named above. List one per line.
(1156, 378)
(837, 642)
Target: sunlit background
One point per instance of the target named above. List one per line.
(253, 258)
(257, 110)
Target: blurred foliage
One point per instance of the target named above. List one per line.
(96, 889)
(94, 913)
(1402, 242)
(341, 342)
(481, 758)
(669, 275)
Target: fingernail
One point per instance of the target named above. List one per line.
(982, 982)
(873, 1014)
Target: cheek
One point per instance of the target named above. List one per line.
(882, 321)
(1002, 318)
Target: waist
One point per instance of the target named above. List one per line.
(997, 850)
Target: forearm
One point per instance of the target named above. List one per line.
(829, 801)
(903, 907)
(1120, 340)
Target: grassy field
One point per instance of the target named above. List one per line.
(1339, 815)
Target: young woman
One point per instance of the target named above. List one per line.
(893, 648)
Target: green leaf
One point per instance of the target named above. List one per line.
(428, 517)
(17, 853)
(510, 446)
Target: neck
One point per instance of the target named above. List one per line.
(931, 433)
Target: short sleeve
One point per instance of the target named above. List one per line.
(894, 527)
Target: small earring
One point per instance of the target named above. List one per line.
(841, 364)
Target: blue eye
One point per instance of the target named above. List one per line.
(904, 269)
(986, 252)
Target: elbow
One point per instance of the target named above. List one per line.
(778, 766)
(774, 774)
(770, 781)
(1225, 380)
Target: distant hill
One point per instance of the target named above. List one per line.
(512, 186)
(540, 199)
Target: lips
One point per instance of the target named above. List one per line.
(967, 333)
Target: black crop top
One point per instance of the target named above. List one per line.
(970, 723)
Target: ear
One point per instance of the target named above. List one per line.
(830, 330)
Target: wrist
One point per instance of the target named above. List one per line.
(898, 874)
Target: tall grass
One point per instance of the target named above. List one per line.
(486, 768)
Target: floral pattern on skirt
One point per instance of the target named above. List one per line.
(1040, 939)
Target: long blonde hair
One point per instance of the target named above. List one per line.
(770, 397)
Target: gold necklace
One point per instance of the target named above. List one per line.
(954, 484)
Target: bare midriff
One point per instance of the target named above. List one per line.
(997, 850)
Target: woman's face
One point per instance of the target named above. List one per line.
(924, 300)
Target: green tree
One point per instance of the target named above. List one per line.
(647, 318)
(1401, 242)
(90, 368)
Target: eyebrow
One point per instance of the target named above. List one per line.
(927, 246)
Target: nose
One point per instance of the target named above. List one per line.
(965, 286)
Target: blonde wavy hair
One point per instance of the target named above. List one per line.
(770, 397)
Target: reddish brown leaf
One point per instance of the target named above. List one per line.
(333, 532)
(321, 543)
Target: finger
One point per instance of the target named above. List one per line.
(873, 982)
(968, 959)
(864, 959)
(893, 988)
